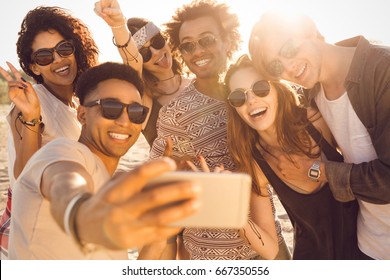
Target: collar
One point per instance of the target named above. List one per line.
(361, 55)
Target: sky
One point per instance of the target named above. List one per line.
(336, 19)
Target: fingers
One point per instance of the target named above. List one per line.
(203, 164)
(162, 195)
(170, 214)
(125, 186)
(98, 9)
(15, 71)
(168, 147)
(5, 74)
(192, 166)
(219, 169)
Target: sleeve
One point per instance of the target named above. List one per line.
(369, 181)
(60, 149)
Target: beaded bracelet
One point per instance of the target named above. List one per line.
(33, 122)
(121, 25)
(26, 124)
(118, 26)
(70, 221)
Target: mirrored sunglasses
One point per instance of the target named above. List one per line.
(112, 109)
(205, 42)
(157, 43)
(289, 50)
(238, 97)
(44, 57)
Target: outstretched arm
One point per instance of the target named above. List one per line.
(111, 13)
(121, 214)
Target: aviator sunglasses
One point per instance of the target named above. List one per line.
(205, 42)
(112, 109)
(157, 42)
(44, 57)
(238, 97)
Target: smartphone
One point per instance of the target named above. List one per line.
(225, 198)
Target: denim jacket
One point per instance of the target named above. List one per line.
(368, 88)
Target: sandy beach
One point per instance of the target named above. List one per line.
(136, 155)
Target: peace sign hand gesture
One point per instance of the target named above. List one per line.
(22, 94)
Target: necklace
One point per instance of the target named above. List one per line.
(170, 78)
(163, 93)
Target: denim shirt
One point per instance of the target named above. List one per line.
(368, 88)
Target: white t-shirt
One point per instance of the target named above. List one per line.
(355, 143)
(60, 121)
(34, 233)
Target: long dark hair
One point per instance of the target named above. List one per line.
(291, 122)
(42, 19)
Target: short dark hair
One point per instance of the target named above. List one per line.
(45, 18)
(90, 79)
(228, 22)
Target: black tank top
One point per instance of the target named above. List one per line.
(150, 130)
(324, 228)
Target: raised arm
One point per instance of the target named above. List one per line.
(121, 214)
(25, 118)
(111, 13)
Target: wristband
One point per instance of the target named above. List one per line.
(70, 221)
(33, 122)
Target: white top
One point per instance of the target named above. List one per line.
(34, 233)
(355, 143)
(60, 121)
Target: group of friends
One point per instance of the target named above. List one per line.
(305, 118)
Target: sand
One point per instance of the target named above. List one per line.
(136, 155)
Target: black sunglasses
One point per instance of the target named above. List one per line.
(205, 42)
(44, 57)
(157, 43)
(238, 97)
(112, 109)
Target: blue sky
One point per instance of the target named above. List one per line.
(336, 19)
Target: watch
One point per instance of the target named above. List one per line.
(314, 172)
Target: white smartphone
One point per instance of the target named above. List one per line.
(225, 198)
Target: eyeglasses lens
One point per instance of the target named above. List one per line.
(238, 97)
(261, 88)
(157, 42)
(44, 57)
(205, 42)
(113, 109)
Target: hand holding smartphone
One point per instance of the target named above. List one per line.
(224, 199)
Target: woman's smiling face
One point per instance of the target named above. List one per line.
(258, 112)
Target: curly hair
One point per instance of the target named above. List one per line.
(229, 22)
(44, 18)
(134, 24)
(291, 122)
